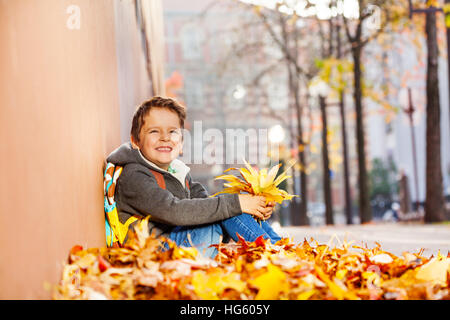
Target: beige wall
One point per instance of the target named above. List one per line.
(59, 118)
(134, 83)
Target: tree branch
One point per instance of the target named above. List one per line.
(282, 46)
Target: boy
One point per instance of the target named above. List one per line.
(154, 182)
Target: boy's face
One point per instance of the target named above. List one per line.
(160, 139)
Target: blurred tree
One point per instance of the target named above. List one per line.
(342, 107)
(335, 72)
(326, 172)
(434, 202)
(390, 13)
(434, 197)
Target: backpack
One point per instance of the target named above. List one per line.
(116, 232)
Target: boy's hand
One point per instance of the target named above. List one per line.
(255, 205)
(270, 206)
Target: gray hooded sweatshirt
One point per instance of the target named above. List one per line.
(137, 192)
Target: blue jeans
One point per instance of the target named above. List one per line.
(205, 235)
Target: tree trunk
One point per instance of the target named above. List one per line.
(348, 199)
(326, 165)
(299, 216)
(365, 211)
(347, 194)
(298, 211)
(447, 2)
(434, 203)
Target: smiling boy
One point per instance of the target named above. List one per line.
(154, 182)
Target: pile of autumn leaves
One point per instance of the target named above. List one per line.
(143, 269)
(151, 268)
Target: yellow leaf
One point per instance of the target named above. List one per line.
(262, 177)
(228, 177)
(268, 180)
(239, 264)
(341, 274)
(252, 179)
(284, 175)
(435, 270)
(338, 292)
(211, 286)
(305, 295)
(252, 171)
(271, 283)
(372, 278)
(185, 252)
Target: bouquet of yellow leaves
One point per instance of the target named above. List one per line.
(256, 182)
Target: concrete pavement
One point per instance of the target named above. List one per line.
(393, 237)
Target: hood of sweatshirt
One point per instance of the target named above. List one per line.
(126, 154)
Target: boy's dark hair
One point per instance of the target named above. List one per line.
(155, 102)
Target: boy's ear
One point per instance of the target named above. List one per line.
(134, 143)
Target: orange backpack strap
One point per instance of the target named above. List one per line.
(159, 178)
(161, 182)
